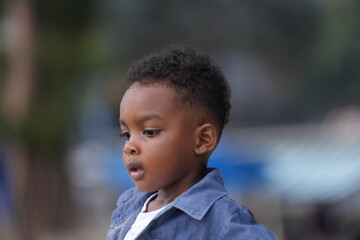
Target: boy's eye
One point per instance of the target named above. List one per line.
(151, 132)
(125, 135)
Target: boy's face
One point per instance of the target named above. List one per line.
(160, 139)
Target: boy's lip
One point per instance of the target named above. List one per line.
(135, 170)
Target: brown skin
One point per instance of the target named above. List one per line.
(167, 146)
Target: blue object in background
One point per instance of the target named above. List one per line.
(242, 170)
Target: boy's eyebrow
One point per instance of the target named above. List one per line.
(144, 118)
(150, 117)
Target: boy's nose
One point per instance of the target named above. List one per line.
(131, 149)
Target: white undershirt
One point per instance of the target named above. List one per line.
(142, 220)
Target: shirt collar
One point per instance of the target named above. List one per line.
(198, 199)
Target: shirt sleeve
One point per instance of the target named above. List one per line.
(242, 226)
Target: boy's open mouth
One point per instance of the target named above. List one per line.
(135, 171)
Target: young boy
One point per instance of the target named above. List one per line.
(171, 117)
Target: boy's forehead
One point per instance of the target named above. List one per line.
(149, 99)
(156, 97)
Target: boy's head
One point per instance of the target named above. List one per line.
(172, 116)
(197, 81)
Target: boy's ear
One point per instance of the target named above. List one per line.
(207, 139)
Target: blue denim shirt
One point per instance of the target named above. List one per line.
(202, 212)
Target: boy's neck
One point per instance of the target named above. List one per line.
(166, 196)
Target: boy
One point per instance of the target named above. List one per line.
(171, 117)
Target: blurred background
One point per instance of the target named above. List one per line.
(290, 152)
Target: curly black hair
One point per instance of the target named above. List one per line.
(197, 81)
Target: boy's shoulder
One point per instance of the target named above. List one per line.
(228, 207)
(239, 221)
(232, 219)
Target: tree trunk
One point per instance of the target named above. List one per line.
(42, 202)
